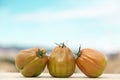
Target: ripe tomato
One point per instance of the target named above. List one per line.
(91, 62)
(61, 62)
(31, 62)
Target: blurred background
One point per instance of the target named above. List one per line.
(40, 23)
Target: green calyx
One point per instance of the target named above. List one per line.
(61, 45)
(40, 53)
(78, 53)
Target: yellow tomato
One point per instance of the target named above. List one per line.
(31, 62)
(61, 62)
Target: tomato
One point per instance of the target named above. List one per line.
(31, 62)
(91, 62)
(61, 62)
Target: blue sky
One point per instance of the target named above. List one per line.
(93, 23)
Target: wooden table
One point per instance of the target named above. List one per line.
(46, 76)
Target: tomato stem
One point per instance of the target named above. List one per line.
(78, 53)
(61, 44)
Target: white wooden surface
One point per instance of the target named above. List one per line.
(46, 76)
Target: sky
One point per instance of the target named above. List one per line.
(91, 23)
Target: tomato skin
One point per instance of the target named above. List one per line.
(61, 62)
(29, 63)
(91, 62)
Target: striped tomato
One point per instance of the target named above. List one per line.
(91, 62)
(61, 62)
